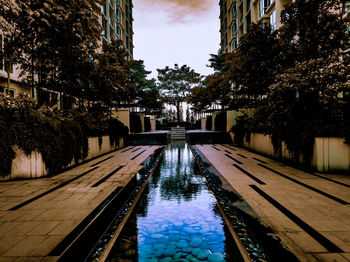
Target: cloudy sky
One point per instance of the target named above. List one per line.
(176, 31)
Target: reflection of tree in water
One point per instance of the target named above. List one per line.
(180, 184)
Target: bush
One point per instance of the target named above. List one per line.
(60, 136)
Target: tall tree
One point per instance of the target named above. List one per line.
(110, 76)
(176, 83)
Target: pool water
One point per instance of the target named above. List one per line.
(176, 218)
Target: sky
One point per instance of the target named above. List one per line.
(176, 31)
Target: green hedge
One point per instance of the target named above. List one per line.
(60, 136)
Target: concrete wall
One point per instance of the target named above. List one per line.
(330, 153)
(123, 116)
(33, 166)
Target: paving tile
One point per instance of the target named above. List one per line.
(26, 246)
(43, 228)
(330, 257)
(7, 259)
(346, 256)
(7, 243)
(8, 226)
(44, 248)
(50, 259)
(22, 229)
(29, 259)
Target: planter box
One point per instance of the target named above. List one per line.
(33, 166)
(330, 153)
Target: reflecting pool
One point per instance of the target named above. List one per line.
(176, 218)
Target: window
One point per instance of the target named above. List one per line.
(234, 29)
(104, 10)
(119, 32)
(234, 10)
(104, 27)
(235, 44)
(119, 15)
(263, 5)
(273, 20)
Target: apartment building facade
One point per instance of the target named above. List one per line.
(117, 22)
(237, 15)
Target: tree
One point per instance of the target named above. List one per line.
(110, 76)
(149, 97)
(55, 40)
(252, 67)
(313, 28)
(199, 98)
(176, 83)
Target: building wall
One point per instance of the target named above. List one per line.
(117, 22)
(237, 15)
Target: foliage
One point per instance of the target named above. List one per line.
(175, 84)
(60, 136)
(302, 103)
(110, 75)
(315, 33)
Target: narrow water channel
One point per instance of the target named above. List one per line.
(176, 218)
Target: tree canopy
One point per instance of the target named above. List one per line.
(176, 83)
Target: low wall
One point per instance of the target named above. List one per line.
(33, 166)
(330, 153)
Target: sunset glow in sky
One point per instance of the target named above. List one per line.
(176, 31)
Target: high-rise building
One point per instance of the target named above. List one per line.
(117, 21)
(237, 15)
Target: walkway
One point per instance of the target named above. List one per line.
(309, 212)
(36, 215)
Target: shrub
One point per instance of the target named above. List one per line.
(60, 136)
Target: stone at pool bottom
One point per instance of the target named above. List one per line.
(182, 244)
(195, 242)
(215, 257)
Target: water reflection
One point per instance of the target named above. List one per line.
(176, 218)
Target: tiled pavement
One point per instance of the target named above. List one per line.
(36, 215)
(317, 201)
